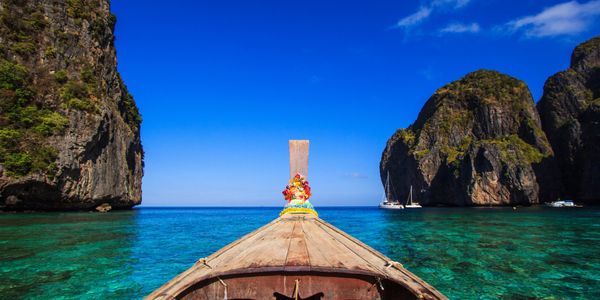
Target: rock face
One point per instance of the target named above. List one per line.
(570, 114)
(70, 131)
(477, 141)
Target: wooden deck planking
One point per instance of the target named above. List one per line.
(297, 253)
(222, 259)
(216, 261)
(269, 250)
(374, 258)
(337, 256)
(315, 254)
(362, 253)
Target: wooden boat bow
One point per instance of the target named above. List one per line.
(296, 255)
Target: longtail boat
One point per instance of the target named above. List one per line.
(297, 256)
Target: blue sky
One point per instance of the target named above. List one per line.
(222, 85)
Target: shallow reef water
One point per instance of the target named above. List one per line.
(466, 253)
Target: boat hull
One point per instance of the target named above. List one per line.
(563, 203)
(307, 285)
(391, 206)
(409, 206)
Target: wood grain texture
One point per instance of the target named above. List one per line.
(299, 157)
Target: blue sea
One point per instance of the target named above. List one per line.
(466, 253)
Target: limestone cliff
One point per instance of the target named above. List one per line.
(570, 114)
(70, 130)
(475, 142)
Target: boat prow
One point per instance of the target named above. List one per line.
(296, 256)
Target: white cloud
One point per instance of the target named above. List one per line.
(425, 11)
(461, 28)
(567, 18)
(415, 18)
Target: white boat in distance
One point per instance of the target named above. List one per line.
(561, 203)
(391, 205)
(388, 202)
(410, 203)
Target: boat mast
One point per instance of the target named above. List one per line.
(410, 196)
(387, 187)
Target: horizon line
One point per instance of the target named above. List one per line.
(238, 206)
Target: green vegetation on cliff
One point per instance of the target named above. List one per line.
(474, 138)
(25, 124)
(515, 150)
(585, 49)
(64, 109)
(76, 95)
(129, 110)
(35, 99)
(407, 136)
(452, 118)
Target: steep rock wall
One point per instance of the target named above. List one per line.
(70, 130)
(570, 114)
(476, 142)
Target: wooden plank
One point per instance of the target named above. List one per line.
(316, 256)
(322, 244)
(199, 271)
(380, 262)
(298, 157)
(366, 257)
(227, 257)
(267, 251)
(297, 252)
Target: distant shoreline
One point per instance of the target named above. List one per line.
(327, 207)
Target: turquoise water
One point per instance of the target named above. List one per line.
(530, 253)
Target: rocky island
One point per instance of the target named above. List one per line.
(570, 113)
(479, 141)
(474, 143)
(70, 130)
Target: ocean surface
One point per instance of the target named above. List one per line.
(466, 253)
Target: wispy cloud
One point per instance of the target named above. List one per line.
(416, 18)
(425, 12)
(314, 79)
(428, 73)
(569, 18)
(461, 28)
(452, 3)
(355, 175)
